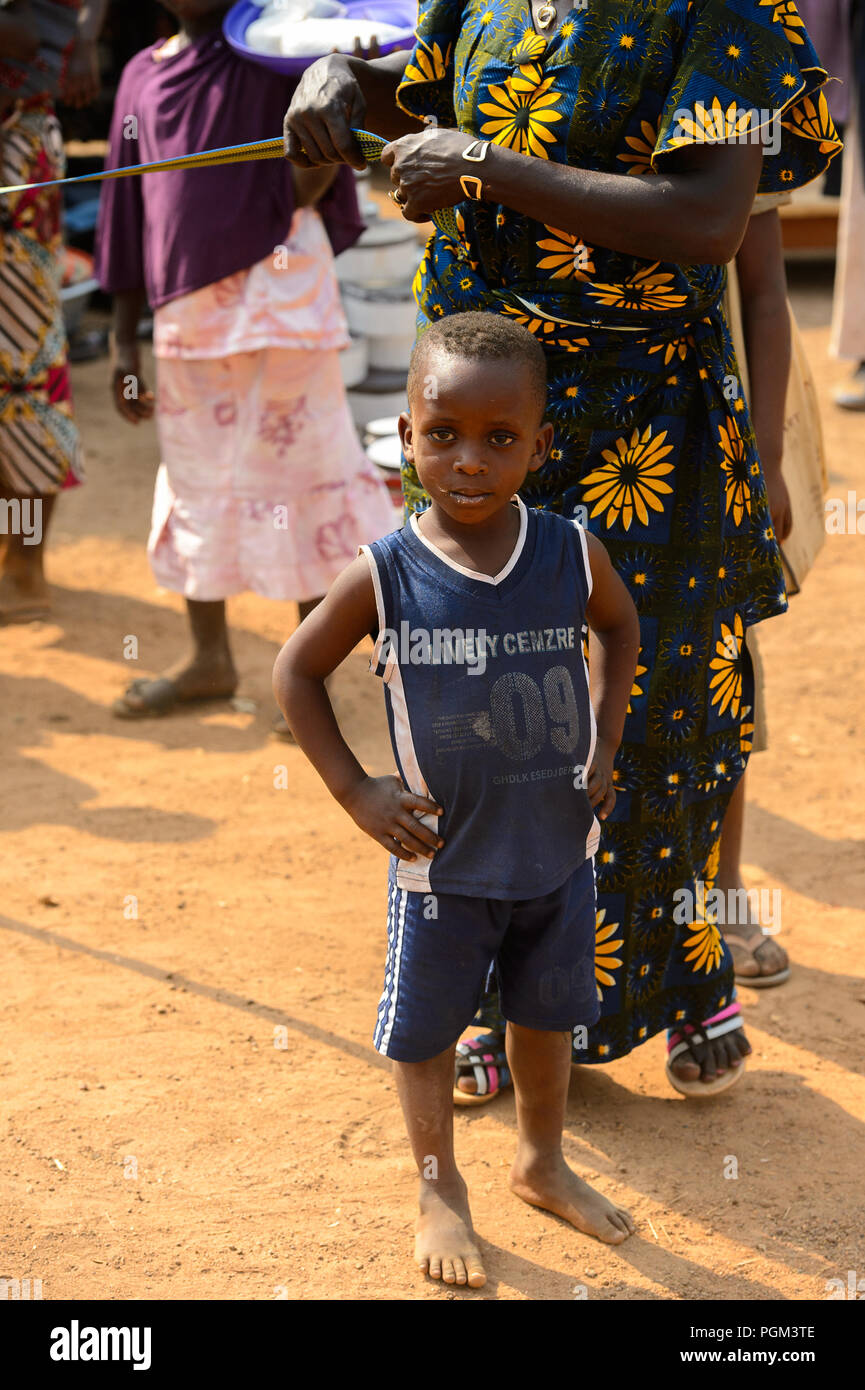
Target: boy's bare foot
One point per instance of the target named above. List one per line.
(444, 1241)
(552, 1185)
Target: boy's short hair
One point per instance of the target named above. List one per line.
(480, 337)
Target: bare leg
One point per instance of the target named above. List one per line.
(744, 938)
(852, 394)
(727, 1051)
(540, 1064)
(444, 1242)
(732, 833)
(210, 670)
(24, 593)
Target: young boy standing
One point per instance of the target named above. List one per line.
(479, 605)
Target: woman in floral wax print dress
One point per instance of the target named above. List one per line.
(622, 145)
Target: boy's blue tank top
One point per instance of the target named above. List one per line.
(488, 704)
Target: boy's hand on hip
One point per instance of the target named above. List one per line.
(602, 793)
(385, 810)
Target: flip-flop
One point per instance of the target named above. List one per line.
(694, 1040)
(485, 1056)
(160, 697)
(755, 981)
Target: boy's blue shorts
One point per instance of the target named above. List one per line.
(440, 947)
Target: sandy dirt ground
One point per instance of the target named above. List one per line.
(192, 1106)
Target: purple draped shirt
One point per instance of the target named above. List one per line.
(174, 232)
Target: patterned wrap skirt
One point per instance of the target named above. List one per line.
(40, 451)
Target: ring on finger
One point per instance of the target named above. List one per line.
(397, 196)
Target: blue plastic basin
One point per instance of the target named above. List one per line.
(401, 13)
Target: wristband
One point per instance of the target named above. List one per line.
(471, 185)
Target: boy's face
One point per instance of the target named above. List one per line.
(474, 434)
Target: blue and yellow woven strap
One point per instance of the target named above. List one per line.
(371, 148)
(232, 154)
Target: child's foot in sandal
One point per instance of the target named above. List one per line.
(444, 1242)
(481, 1070)
(705, 1060)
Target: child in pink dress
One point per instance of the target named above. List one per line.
(263, 483)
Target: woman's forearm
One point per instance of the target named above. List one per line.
(378, 79)
(685, 217)
(768, 342)
(766, 326)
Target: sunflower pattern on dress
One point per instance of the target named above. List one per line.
(653, 438)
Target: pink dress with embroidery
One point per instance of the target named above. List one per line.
(263, 483)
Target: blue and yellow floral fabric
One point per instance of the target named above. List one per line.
(653, 438)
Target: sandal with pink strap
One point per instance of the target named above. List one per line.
(485, 1059)
(695, 1041)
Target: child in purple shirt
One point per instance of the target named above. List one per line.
(263, 483)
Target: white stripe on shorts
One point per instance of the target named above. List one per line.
(391, 993)
(388, 963)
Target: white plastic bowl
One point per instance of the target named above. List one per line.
(391, 352)
(386, 453)
(366, 404)
(381, 428)
(354, 362)
(381, 311)
(387, 252)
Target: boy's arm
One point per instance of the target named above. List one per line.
(612, 617)
(766, 323)
(310, 185)
(379, 805)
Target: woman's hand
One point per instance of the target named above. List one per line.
(318, 124)
(425, 170)
(385, 810)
